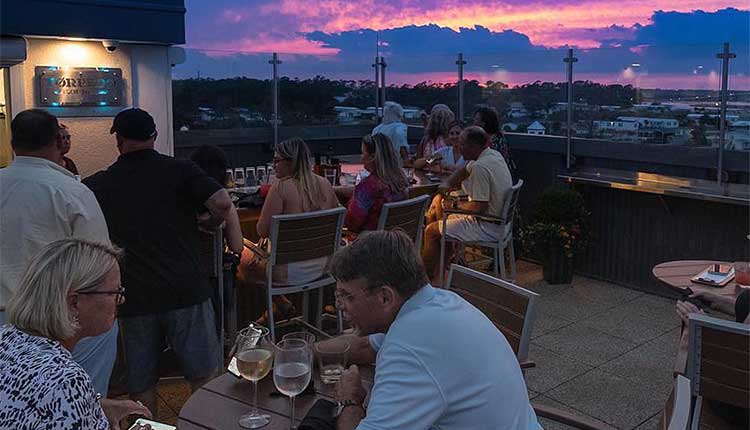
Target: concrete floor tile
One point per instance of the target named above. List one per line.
(603, 292)
(650, 364)
(640, 320)
(545, 323)
(551, 369)
(650, 424)
(549, 424)
(614, 400)
(570, 305)
(584, 344)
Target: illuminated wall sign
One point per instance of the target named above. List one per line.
(79, 86)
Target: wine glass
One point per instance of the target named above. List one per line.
(293, 369)
(254, 354)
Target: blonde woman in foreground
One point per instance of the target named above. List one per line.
(70, 290)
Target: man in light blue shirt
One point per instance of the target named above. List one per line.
(441, 364)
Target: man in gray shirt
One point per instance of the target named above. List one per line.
(40, 202)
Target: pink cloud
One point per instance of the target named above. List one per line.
(546, 24)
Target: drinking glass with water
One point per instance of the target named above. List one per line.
(332, 359)
(292, 371)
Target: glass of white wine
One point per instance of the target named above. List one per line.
(254, 356)
(293, 369)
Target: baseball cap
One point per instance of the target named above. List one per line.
(134, 123)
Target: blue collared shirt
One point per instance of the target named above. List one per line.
(444, 365)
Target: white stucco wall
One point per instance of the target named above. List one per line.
(147, 80)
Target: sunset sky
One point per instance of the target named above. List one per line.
(672, 43)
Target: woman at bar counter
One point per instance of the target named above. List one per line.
(70, 290)
(385, 183)
(450, 155)
(436, 131)
(297, 190)
(64, 147)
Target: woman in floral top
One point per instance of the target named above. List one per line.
(70, 290)
(386, 183)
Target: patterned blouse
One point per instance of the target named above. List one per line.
(41, 387)
(364, 207)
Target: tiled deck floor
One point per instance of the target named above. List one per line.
(601, 350)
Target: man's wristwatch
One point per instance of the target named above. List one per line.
(341, 405)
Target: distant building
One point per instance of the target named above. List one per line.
(536, 128)
(619, 126)
(205, 114)
(413, 113)
(517, 110)
(122, 52)
(651, 122)
(348, 114)
(738, 136)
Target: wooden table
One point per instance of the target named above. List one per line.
(676, 276)
(220, 403)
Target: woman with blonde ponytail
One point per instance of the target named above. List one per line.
(296, 190)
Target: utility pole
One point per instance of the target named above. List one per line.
(460, 62)
(725, 56)
(570, 60)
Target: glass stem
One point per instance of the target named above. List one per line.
(291, 420)
(255, 398)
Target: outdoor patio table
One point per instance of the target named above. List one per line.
(220, 403)
(676, 276)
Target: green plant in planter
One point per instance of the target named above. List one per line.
(559, 230)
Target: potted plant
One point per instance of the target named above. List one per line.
(558, 231)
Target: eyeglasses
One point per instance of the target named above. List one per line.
(119, 294)
(348, 297)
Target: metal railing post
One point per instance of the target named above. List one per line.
(275, 94)
(382, 81)
(725, 56)
(460, 62)
(570, 60)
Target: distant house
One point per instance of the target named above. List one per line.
(411, 112)
(617, 126)
(738, 136)
(348, 114)
(651, 122)
(536, 128)
(205, 114)
(517, 110)
(248, 115)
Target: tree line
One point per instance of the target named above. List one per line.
(312, 101)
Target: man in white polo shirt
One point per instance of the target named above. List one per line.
(441, 364)
(486, 181)
(40, 202)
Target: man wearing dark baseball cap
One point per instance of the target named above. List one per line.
(134, 123)
(151, 201)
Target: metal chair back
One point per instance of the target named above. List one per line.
(511, 308)
(407, 215)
